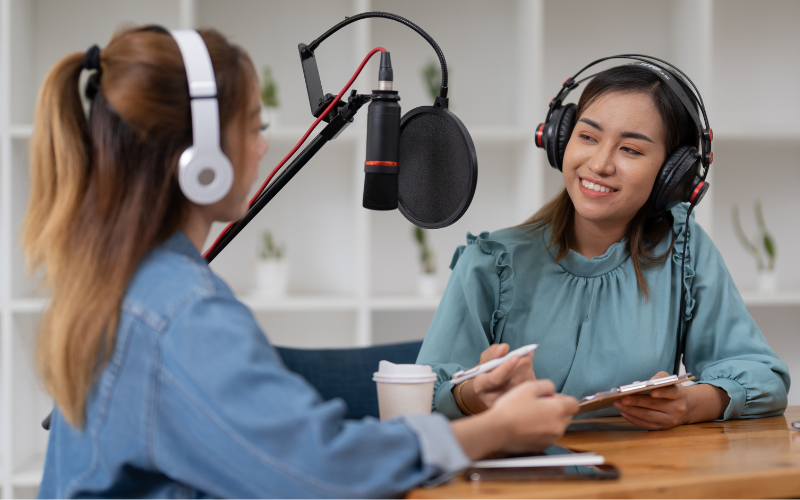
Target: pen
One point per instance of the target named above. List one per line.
(462, 375)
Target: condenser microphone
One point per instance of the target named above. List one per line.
(423, 163)
(382, 163)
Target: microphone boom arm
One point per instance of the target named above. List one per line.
(343, 117)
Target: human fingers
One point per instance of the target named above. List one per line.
(658, 418)
(569, 404)
(671, 392)
(644, 402)
(542, 388)
(644, 424)
(497, 377)
(660, 374)
(560, 409)
(523, 369)
(494, 351)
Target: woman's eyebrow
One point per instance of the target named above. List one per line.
(591, 123)
(627, 135)
(636, 135)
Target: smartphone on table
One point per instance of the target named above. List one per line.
(493, 470)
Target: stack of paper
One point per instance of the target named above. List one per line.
(543, 461)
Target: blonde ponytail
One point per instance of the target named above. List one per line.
(59, 166)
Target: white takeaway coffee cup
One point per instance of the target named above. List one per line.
(404, 389)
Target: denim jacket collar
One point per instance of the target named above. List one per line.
(181, 244)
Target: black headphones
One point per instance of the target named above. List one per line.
(682, 176)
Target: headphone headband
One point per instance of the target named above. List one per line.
(675, 86)
(197, 61)
(205, 155)
(645, 61)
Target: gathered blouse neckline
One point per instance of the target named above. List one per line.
(579, 265)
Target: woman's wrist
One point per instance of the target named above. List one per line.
(705, 402)
(480, 436)
(467, 400)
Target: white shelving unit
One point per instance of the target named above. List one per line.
(352, 277)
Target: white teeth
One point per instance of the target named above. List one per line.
(596, 187)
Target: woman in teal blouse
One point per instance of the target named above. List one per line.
(566, 280)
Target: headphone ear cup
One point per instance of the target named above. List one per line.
(563, 132)
(556, 133)
(677, 178)
(204, 177)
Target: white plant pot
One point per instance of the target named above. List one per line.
(270, 116)
(427, 285)
(272, 278)
(767, 281)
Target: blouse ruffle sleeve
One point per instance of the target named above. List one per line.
(471, 315)
(679, 229)
(724, 346)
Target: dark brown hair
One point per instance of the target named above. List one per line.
(648, 227)
(104, 191)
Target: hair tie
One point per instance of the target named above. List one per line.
(91, 59)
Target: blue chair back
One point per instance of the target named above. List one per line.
(347, 373)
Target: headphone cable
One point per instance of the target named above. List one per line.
(681, 344)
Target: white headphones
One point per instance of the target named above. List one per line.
(205, 174)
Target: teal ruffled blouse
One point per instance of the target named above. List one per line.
(594, 328)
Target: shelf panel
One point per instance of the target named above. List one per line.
(404, 303)
(500, 135)
(759, 135)
(300, 303)
(21, 131)
(29, 474)
(32, 305)
(777, 298)
(293, 134)
(281, 134)
(484, 134)
(292, 303)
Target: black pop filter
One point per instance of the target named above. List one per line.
(438, 167)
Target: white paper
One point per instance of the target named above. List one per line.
(543, 461)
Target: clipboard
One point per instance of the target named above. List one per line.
(606, 399)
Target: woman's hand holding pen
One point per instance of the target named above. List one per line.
(667, 407)
(527, 419)
(480, 393)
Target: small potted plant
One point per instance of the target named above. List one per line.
(762, 248)
(426, 281)
(269, 97)
(432, 76)
(272, 270)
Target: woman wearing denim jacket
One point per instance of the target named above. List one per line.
(164, 384)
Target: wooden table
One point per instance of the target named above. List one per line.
(735, 459)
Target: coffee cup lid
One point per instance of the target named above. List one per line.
(392, 373)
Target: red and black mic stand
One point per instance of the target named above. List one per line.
(338, 119)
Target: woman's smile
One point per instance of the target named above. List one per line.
(593, 188)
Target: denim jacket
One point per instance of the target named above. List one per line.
(194, 402)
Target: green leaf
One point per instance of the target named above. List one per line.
(431, 75)
(269, 89)
(419, 233)
(748, 246)
(769, 246)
